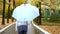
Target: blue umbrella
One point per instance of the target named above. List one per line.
(25, 12)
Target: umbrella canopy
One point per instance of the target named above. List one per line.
(25, 12)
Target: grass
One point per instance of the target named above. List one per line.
(45, 22)
(48, 23)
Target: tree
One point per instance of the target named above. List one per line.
(3, 21)
(53, 4)
(8, 11)
(13, 8)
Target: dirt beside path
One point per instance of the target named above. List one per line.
(51, 29)
(2, 26)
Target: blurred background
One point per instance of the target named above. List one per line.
(49, 11)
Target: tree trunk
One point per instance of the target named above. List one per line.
(8, 12)
(39, 18)
(13, 9)
(3, 21)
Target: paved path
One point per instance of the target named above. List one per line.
(30, 29)
(11, 29)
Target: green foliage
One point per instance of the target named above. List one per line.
(54, 16)
(53, 4)
(51, 16)
(10, 14)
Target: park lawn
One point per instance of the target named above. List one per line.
(51, 27)
(56, 23)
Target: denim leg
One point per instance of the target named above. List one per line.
(24, 32)
(19, 32)
(22, 29)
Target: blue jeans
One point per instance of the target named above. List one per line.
(22, 29)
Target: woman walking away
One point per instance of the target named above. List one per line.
(23, 14)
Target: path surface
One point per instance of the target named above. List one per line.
(30, 29)
(11, 29)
